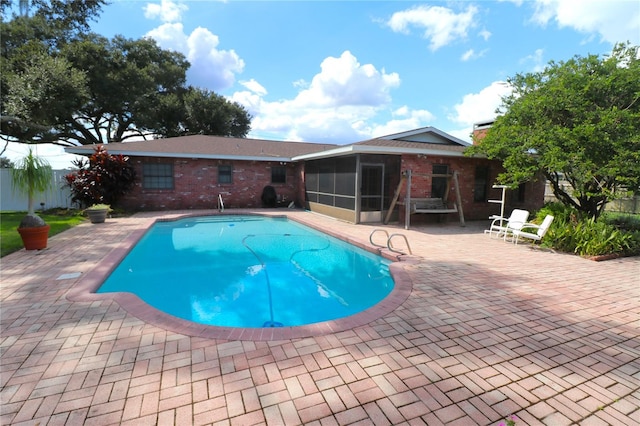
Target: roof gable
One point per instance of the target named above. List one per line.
(425, 135)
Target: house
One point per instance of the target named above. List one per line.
(356, 182)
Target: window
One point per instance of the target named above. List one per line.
(225, 174)
(157, 176)
(439, 180)
(480, 184)
(278, 174)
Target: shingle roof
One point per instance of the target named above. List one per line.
(401, 144)
(427, 140)
(204, 146)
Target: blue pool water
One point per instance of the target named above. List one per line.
(250, 271)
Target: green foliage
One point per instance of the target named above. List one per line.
(104, 178)
(40, 90)
(64, 16)
(587, 236)
(624, 221)
(577, 121)
(510, 421)
(6, 163)
(31, 175)
(201, 105)
(64, 85)
(99, 207)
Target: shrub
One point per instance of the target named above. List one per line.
(587, 237)
(625, 222)
(104, 178)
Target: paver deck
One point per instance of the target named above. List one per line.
(489, 329)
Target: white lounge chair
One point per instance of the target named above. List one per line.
(541, 230)
(503, 226)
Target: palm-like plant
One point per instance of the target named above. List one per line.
(32, 175)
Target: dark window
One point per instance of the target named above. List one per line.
(439, 180)
(278, 174)
(157, 176)
(225, 174)
(480, 184)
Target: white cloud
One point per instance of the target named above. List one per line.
(467, 55)
(344, 81)
(536, 59)
(300, 84)
(463, 134)
(403, 119)
(485, 34)
(340, 105)
(441, 25)
(254, 87)
(211, 67)
(170, 36)
(477, 107)
(482, 105)
(615, 21)
(166, 11)
(472, 54)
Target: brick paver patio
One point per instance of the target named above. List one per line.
(489, 329)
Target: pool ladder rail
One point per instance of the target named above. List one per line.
(389, 241)
(220, 203)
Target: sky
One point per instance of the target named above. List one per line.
(346, 71)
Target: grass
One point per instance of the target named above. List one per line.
(59, 220)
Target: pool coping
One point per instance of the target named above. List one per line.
(85, 290)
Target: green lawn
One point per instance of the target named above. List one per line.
(59, 220)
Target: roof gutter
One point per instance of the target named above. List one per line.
(71, 150)
(369, 149)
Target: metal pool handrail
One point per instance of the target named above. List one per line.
(378, 230)
(389, 238)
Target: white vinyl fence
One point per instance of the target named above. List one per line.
(629, 205)
(57, 196)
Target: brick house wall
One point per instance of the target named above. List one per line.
(196, 184)
(479, 134)
(421, 167)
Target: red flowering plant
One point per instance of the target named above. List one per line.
(103, 178)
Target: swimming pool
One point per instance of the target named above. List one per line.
(250, 271)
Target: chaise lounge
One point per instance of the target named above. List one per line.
(540, 233)
(504, 227)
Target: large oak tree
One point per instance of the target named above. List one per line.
(64, 85)
(577, 122)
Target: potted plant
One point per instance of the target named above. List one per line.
(98, 212)
(32, 175)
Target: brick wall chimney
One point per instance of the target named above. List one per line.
(480, 129)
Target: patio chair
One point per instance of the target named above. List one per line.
(503, 226)
(540, 233)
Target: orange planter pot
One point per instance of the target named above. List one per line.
(35, 238)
